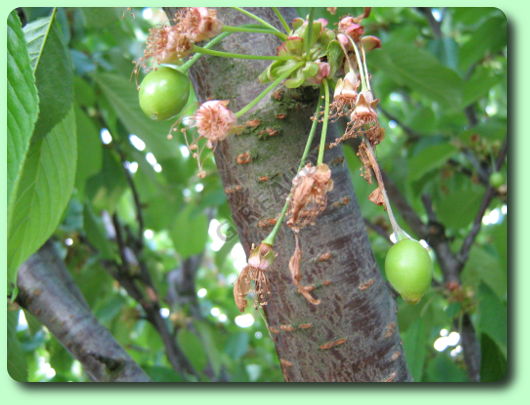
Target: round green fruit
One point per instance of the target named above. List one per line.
(496, 179)
(408, 268)
(163, 93)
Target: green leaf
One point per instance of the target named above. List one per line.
(209, 345)
(95, 233)
(482, 266)
(193, 348)
(106, 187)
(423, 120)
(429, 159)
(16, 358)
(479, 85)
(89, 150)
(237, 345)
(443, 369)
(34, 324)
(417, 69)
(467, 201)
(493, 365)
(123, 97)
(162, 374)
(22, 104)
(84, 93)
(334, 55)
(189, 232)
(488, 38)
(52, 66)
(44, 191)
(492, 318)
(446, 50)
(415, 348)
(60, 359)
(101, 17)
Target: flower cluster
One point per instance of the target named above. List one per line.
(171, 43)
(214, 121)
(300, 47)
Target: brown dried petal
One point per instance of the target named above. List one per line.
(294, 262)
(305, 291)
(241, 289)
(376, 197)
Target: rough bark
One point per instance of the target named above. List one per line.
(50, 294)
(353, 334)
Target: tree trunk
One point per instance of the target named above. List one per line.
(353, 333)
(50, 294)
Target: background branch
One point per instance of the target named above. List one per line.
(49, 293)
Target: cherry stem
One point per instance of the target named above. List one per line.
(246, 28)
(222, 54)
(272, 235)
(323, 135)
(275, 30)
(267, 90)
(347, 57)
(282, 20)
(187, 65)
(398, 232)
(363, 54)
(364, 86)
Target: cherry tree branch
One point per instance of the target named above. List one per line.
(149, 301)
(463, 254)
(48, 291)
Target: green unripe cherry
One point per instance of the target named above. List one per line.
(163, 93)
(408, 268)
(496, 179)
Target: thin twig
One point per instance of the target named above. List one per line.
(378, 229)
(463, 254)
(136, 198)
(436, 26)
(412, 134)
(150, 305)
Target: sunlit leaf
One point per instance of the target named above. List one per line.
(419, 71)
(44, 190)
(414, 344)
(189, 232)
(429, 159)
(22, 105)
(52, 67)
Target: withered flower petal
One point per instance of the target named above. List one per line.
(309, 195)
(259, 261)
(214, 121)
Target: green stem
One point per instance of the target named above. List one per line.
(364, 86)
(324, 133)
(363, 53)
(398, 232)
(246, 28)
(272, 235)
(276, 32)
(222, 54)
(309, 31)
(186, 66)
(269, 88)
(311, 134)
(269, 240)
(282, 20)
